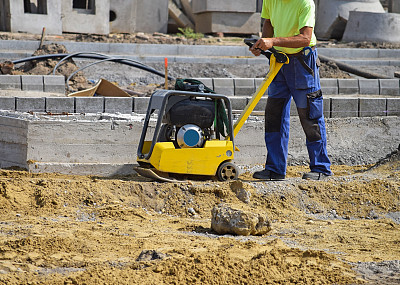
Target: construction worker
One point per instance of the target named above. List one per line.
(288, 27)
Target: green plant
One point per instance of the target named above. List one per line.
(189, 33)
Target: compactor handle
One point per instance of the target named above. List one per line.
(280, 56)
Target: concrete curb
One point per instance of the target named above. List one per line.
(40, 83)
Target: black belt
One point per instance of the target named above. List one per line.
(299, 53)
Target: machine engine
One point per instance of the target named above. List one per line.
(188, 123)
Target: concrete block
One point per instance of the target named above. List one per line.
(32, 82)
(228, 22)
(224, 86)
(94, 20)
(123, 16)
(206, 81)
(200, 6)
(348, 86)
(393, 106)
(45, 14)
(89, 104)
(369, 86)
(140, 104)
(238, 103)
(344, 107)
(389, 87)
(118, 105)
(394, 6)
(260, 107)
(151, 16)
(327, 107)
(60, 104)
(12, 82)
(371, 107)
(54, 84)
(385, 27)
(329, 86)
(7, 103)
(30, 104)
(244, 86)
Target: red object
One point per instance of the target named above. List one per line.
(166, 61)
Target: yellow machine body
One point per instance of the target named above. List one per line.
(197, 161)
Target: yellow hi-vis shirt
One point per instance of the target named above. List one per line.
(288, 17)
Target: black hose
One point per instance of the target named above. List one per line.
(95, 56)
(351, 69)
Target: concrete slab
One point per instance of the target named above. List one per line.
(200, 6)
(224, 86)
(344, 107)
(369, 86)
(32, 83)
(152, 16)
(244, 86)
(238, 104)
(89, 104)
(140, 104)
(348, 86)
(389, 87)
(7, 103)
(385, 28)
(393, 106)
(10, 82)
(118, 105)
(54, 84)
(327, 107)
(370, 107)
(60, 104)
(228, 22)
(30, 104)
(329, 86)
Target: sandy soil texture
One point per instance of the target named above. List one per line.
(58, 229)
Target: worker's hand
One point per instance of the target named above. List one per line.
(263, 44)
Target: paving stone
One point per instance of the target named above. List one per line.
(89, 104)
(393, 106)
(238, 103)
(344, 107)
(54, 84)
(348, 86)
(389, 87)
(122, 105)
(224, 86)
(32, 82)
(329, 86)
(7, 103)
(369, 86)
(30, 104)
(11, 82)
(327, 107)
(260, 105)
(60, 104)
(140, 104)
(207, 82)
(370, 107)
(244, 86)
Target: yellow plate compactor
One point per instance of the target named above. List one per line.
(194, 131)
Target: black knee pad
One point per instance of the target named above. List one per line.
(310, 126)
(273, 114)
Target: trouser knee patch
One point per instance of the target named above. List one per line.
(273, 114)
(310, 126)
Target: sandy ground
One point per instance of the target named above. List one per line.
(58, 229)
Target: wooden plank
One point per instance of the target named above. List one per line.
(187, 9)
(179, 17)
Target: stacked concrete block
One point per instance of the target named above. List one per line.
(329, 86)
(92, 20)
(224, 86)
(371, 107)
(10, 82)
(34, 17)
(393, 106)
(244, 86)
(348, 86)
(7, 103)
(207, 82)
(140, 104)
(30, 104)
(122, 105)
(54, 84)
(368, 86)
(89, 104)
(60, 104)
(238, 104)
(260, 107)
(223, 17)
(344, 107)
(389, 87)
(327, 107)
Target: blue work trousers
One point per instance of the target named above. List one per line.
(298, 79)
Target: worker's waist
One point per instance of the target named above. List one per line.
(301, 52)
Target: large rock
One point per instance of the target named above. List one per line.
(229, 220)
(385, 28)
(332, 15)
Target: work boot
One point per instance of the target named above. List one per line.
(268, 175)
(315, 175)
